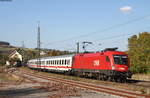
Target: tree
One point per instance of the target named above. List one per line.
(3, 59)
(139, 52)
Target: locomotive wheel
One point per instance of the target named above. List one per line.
(116, 79)
(121, 79)
(109, 78)
(102, 77)
(124, 80)
(105, 78)
(97, 76)
(67, 73)
(112, 79)
(79, 74)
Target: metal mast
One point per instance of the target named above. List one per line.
(39, 45)
(23, 52)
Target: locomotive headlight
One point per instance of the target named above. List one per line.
(113, 67)
(122, 68)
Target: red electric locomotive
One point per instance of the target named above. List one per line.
(106, 65)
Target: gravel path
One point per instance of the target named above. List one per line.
(28, 89)
(24, 88)
(35, 90)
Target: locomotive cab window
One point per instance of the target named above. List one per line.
(121, 59)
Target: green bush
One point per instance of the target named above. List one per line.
(140, 69)
(3, 60)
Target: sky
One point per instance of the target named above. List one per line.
(63, 23)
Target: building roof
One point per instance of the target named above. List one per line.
(7, 52)
(4, 43)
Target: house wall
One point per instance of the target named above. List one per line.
(16, 55)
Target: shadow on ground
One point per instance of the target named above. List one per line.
(136, 81)
(19, 92)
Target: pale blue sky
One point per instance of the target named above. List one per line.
(65, 22)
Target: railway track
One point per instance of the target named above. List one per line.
(93, 87)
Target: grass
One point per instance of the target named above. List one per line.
(144, 77)
(4, 77)
(7, 77)
(6, 49)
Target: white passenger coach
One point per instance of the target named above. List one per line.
(61, 63)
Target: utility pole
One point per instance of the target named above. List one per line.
(23, 53)
(38, 46)
(23, 45)
(78, 47)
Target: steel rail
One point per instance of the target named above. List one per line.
(91, 86)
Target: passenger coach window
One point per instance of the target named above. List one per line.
(55, 62)
(59, 62)
(68, 62)
(65, 62)
(43, 62)
(62, 62)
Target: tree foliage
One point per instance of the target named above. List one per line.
(3, 59)
(34, 53)
(139, 52)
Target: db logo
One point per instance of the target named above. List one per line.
(96, 62)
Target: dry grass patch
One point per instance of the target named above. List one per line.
(145, 77)
(7, 76)
(59, 90)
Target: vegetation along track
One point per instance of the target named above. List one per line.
(89, 86)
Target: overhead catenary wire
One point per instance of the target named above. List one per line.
(102, 30)
(111, 37)
(120, 35)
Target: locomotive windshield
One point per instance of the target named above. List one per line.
(121, 59)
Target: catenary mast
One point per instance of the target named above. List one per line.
(38, 45)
